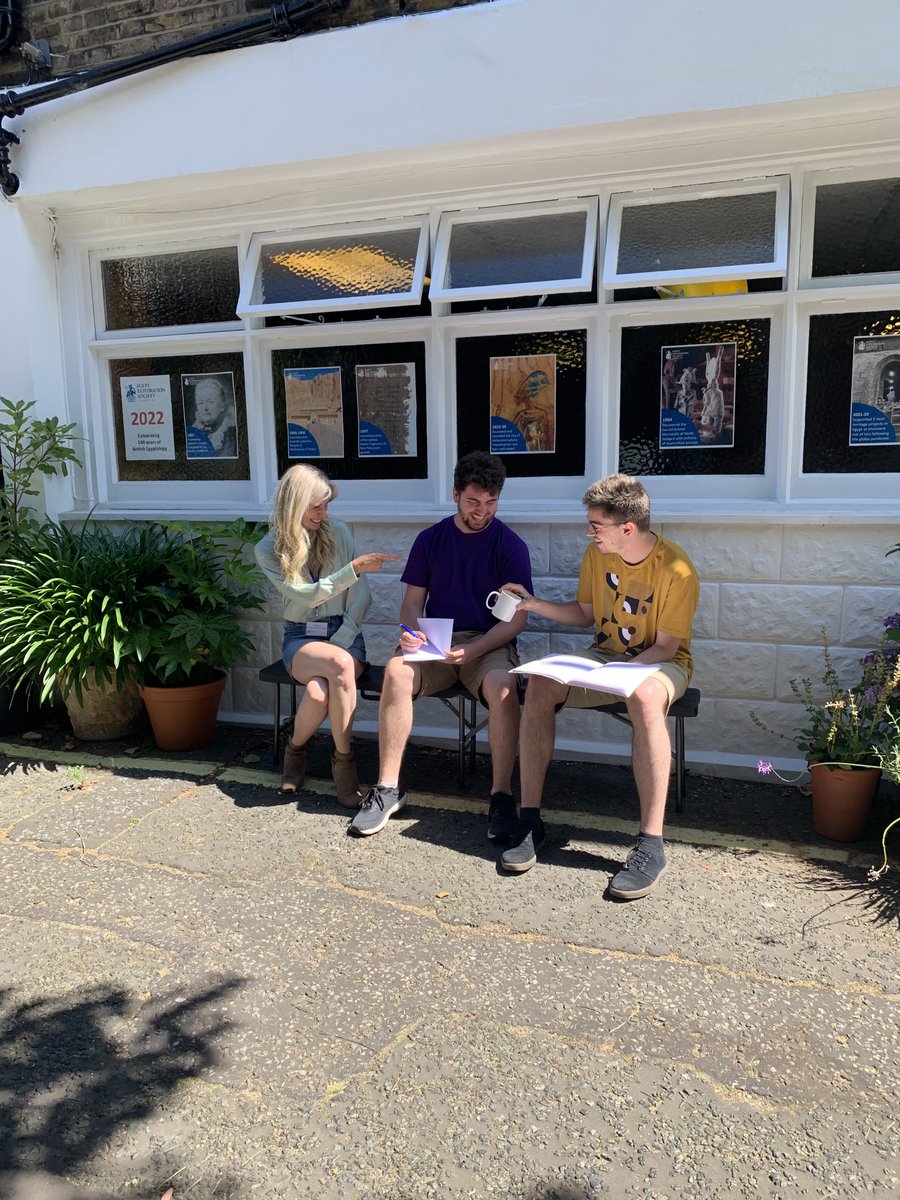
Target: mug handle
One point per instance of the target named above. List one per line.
(487, 602)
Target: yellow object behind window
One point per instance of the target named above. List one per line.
(722, 287)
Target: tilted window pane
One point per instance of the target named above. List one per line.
(194, 287)
(331, 268)
(520, 250)
(717, 231)
(857, 228)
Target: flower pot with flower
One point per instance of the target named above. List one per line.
(842, 739)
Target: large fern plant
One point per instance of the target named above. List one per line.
(159, 603)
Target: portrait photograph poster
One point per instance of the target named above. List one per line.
(147, 417)
(874, 407)
(314, 412)
(386, 410)
(697, 396)
(210, 415)
(523, 404)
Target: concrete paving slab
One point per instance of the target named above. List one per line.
(234, 998)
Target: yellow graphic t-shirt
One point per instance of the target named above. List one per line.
(633, 602)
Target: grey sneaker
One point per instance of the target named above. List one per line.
(527, 839)
(640, 875)
(502, 818)
(377, 809)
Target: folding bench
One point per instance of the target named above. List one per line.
(456, 698)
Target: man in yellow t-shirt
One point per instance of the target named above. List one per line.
(640, 593)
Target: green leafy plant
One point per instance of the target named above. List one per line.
(848, 727)
(29, 447)
(160, 603)
(209, 584)
(76, 601)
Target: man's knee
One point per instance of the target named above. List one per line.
(543, 695)
(648, 704)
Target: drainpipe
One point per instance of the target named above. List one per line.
(283, 21)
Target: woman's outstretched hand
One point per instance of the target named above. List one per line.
(372, 562)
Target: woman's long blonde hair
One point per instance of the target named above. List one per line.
(299, 488)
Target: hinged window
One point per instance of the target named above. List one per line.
(856, 230)
(687, 235)
(522, 251)
(349, 267)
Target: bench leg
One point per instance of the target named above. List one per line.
(679, 764)
(276, 733)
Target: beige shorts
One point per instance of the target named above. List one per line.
(672, 676)
(437, 676)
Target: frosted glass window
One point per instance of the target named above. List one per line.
(507, 253)
(857, 228)
(524, 251)
(737, 231)
(721, 231)
(349, 269)
(192, 287)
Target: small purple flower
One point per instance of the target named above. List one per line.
(871, 694)
(892, 622)
(763, 767)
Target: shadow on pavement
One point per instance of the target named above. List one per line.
(879, 900)
(76, 1068)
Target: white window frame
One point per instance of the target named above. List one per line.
(813, 181)
(111, 254)
(450, 220)
(703, 493)
(619, 201)
(246, 308)
(858, 491)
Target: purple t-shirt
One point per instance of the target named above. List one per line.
(459, 570)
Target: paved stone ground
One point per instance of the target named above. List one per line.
(210, 988)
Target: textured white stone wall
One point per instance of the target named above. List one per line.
(767, 592)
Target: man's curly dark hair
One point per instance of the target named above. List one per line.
(485, 471)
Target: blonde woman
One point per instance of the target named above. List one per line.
(312, 563)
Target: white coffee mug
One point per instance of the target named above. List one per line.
(503, 605)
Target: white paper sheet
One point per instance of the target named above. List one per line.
(439, 631)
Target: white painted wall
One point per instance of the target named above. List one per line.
(515, 68)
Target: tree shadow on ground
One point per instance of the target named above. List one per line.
(878, 899)
(76, 1068)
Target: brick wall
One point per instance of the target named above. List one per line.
(85, 33)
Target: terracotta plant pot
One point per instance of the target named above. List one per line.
(842, 800)
(184, 718)
(104, 713)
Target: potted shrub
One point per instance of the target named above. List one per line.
(75, 604)
(29, 447)
(843, 738)
(209, 584)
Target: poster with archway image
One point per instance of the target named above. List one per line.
(210, 415)
(386, 408)
(523, 404)
(314, 412)
(697, 396)
(874, 382)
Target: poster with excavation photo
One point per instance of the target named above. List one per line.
(314, 409)
(386, 404)
(523, 404)
(210, 415)
(874, 405)
(697, 396)
(147, 417)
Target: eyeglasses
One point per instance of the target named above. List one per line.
(596, 527)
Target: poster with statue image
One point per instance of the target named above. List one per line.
(874, 407)
(697, 396)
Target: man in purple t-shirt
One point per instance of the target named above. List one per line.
(451, 569)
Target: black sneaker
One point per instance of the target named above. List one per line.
(377, 809)
(640, 875)
(502, 818)
(526, 841)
